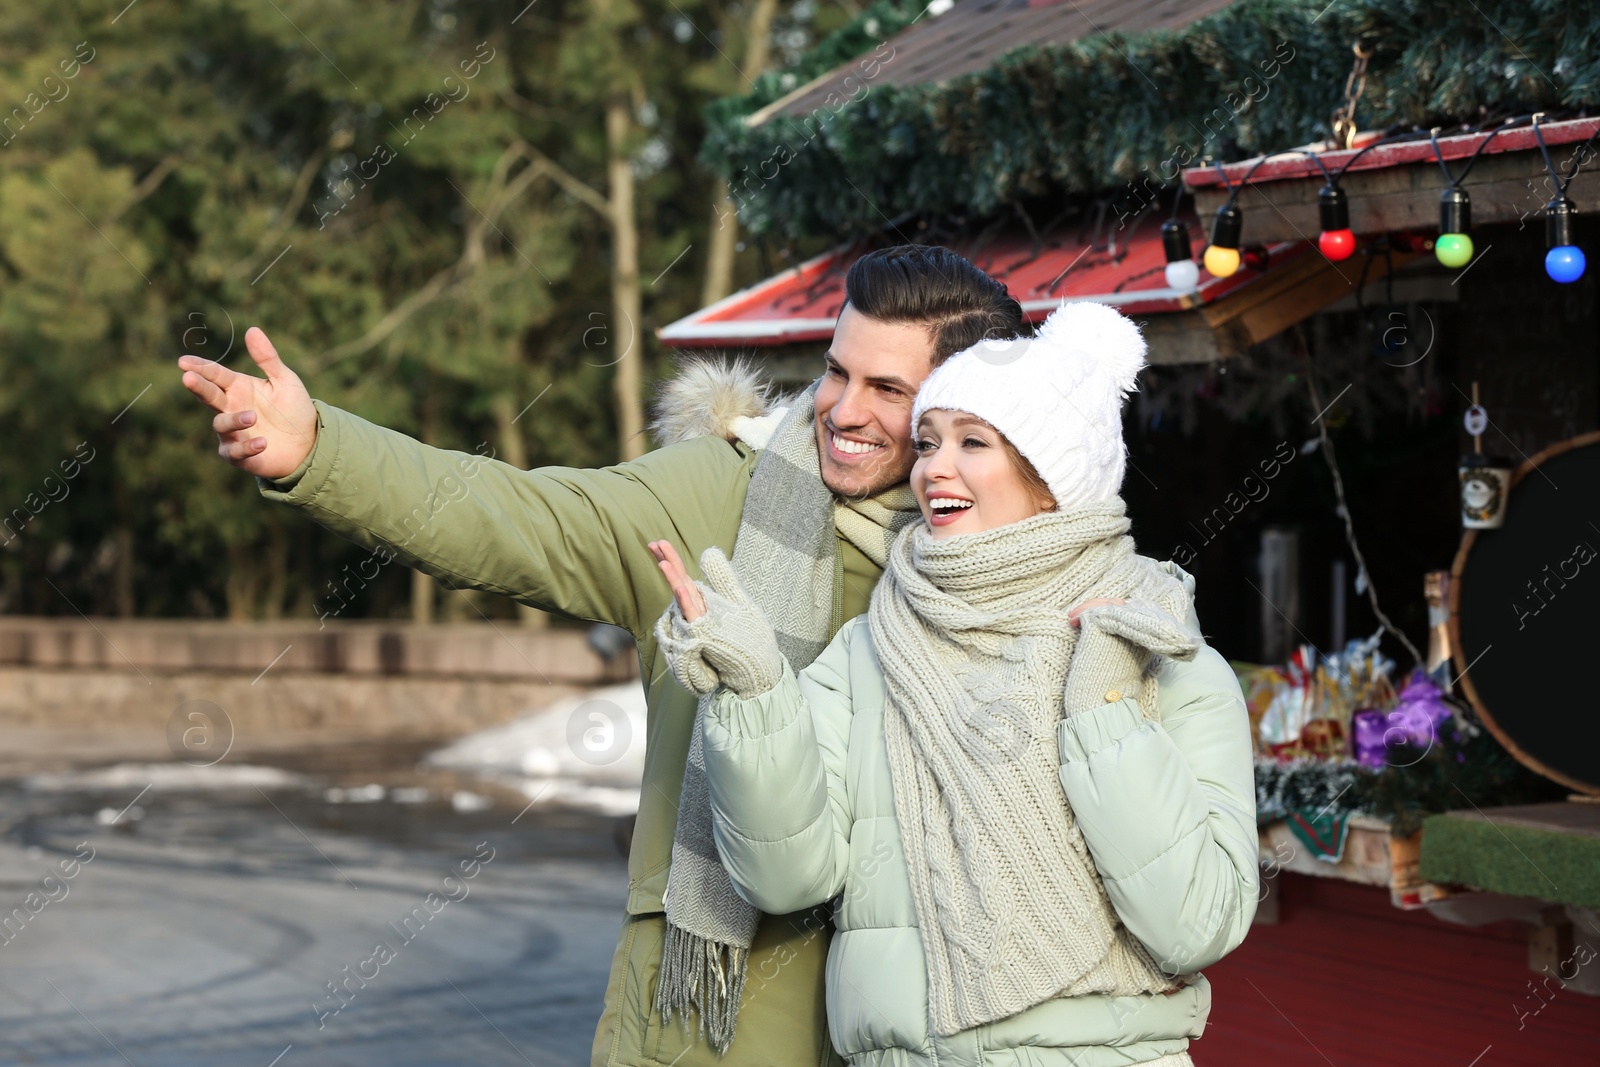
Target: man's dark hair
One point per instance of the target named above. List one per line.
(929, 285)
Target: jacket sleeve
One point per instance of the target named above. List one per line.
(562, 539)
(1168, 811)
(776, 766)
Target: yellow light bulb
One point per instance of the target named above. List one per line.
(1222, 262)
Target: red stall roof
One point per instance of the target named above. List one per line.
(801, 304)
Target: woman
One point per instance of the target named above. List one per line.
(1029, 782)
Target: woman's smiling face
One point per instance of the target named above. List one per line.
(965, 478)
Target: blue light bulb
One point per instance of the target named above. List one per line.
(1565, 263)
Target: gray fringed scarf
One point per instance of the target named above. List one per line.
(787, 541)
(973, 637)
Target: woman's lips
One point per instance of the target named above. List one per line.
(945, 516)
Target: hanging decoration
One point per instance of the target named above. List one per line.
(1222, 255)
(1454, 247)
(1565, 261)
(1182, 273)
(1336, 241)
(1485, 485)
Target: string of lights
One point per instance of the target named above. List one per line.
(1225, 255)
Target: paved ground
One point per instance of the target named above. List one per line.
(207, 928)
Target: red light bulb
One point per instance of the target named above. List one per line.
(1336, 241)
(1337, 244)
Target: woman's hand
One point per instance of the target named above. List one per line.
(715, 634)
(1098, 602)
(684, 591)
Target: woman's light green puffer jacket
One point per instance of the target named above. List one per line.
(804, 812)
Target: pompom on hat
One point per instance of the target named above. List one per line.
(1056, 396)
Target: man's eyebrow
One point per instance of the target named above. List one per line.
(890, 380)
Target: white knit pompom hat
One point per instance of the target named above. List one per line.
(1057, 396)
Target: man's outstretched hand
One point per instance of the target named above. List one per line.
(264, 426)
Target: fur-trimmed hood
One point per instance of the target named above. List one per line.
(712, 397)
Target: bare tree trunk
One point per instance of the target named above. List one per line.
(724, 220)
(124, 571)
(422, 592)
(625, 297)
(513, 449)
(122, 574)
(241, 584)
(305, 592)
(276, 580)
(462, 605)
(719, 252)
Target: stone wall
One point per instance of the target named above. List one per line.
(271, 680)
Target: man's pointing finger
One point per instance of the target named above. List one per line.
(208, 394)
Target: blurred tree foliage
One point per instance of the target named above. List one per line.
(401, 193)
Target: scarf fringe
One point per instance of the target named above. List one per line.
(788, 540)
(705, 978)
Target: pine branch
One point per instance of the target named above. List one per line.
(285, 217)
(444, 282)
(569, 182)
(147, 185)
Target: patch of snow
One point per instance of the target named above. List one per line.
(357, 794)
(464, 801)
(166, 777)
(585, 751)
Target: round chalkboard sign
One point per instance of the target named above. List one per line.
(1523, 616)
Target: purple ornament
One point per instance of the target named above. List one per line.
(1378, 736)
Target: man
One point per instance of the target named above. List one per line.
(808, 516)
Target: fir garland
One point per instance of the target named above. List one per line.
(1453, 773)
(1316, 785)
(1126, 110)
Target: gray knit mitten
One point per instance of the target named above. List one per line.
(731, 645)
(1115, 647)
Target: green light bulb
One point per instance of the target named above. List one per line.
(1453, 249)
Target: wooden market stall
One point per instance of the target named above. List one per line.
(1443, 910)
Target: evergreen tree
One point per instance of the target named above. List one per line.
(403, 194)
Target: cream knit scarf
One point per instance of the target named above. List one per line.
(973, 637)
(788, 538)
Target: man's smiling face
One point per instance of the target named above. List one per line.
(863, 406)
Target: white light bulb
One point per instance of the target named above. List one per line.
(1183, 275)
